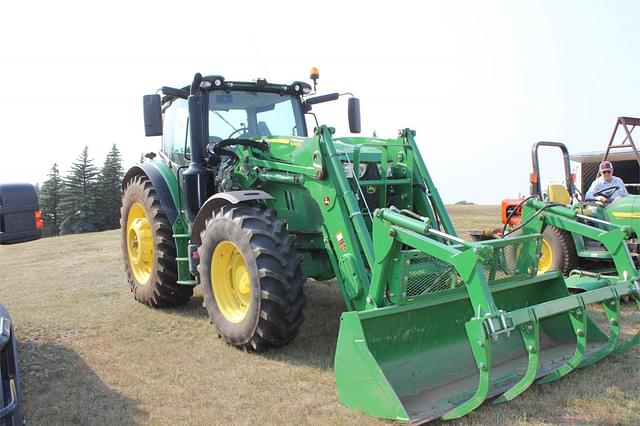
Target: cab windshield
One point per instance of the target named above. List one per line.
(249, 114)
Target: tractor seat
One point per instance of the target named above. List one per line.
(585, 211)
(558, 194)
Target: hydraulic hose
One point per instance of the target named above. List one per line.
(528, 220)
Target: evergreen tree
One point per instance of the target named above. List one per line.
(79, 198)
(110, 190)
(50, 202)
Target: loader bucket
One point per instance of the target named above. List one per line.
(430, 355)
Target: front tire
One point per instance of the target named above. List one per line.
(148, 247)
(251, 277)
(558, 251)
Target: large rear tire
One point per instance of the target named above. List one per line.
(251, 278)
(148, 247)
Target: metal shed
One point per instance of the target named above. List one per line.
(623, 154)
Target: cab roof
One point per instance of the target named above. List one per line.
(217, 82)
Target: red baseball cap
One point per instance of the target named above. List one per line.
(606, 166)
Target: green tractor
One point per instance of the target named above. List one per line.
(246, 202)
(573, 253)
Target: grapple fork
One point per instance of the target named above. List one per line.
(448, 329)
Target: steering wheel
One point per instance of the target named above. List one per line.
(213, 140)
(242, 131)
(607, 192)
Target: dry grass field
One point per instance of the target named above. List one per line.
(90, 354)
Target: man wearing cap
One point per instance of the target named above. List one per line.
(605, 181)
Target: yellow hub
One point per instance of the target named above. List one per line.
(139, 244)
(546, 257)
(231, 282)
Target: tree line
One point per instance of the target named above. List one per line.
(87, 199)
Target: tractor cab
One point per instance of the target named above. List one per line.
(232, 110)
(225, 110)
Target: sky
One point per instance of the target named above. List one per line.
(480, 81)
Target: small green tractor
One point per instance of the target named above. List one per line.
(573, 253)
(245, 201)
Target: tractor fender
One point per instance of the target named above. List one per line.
(160, 182)
(218, 200)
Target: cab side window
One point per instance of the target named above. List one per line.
(176, 124)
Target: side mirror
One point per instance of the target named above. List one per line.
(152, 115)
(354, 115)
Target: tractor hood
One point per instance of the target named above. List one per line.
(625, 211)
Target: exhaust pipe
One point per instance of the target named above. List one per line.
(195, 177)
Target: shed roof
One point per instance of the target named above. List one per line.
(596, 156)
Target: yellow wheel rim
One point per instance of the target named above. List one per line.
(231, 281)
(546, 257)
(139, 244)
